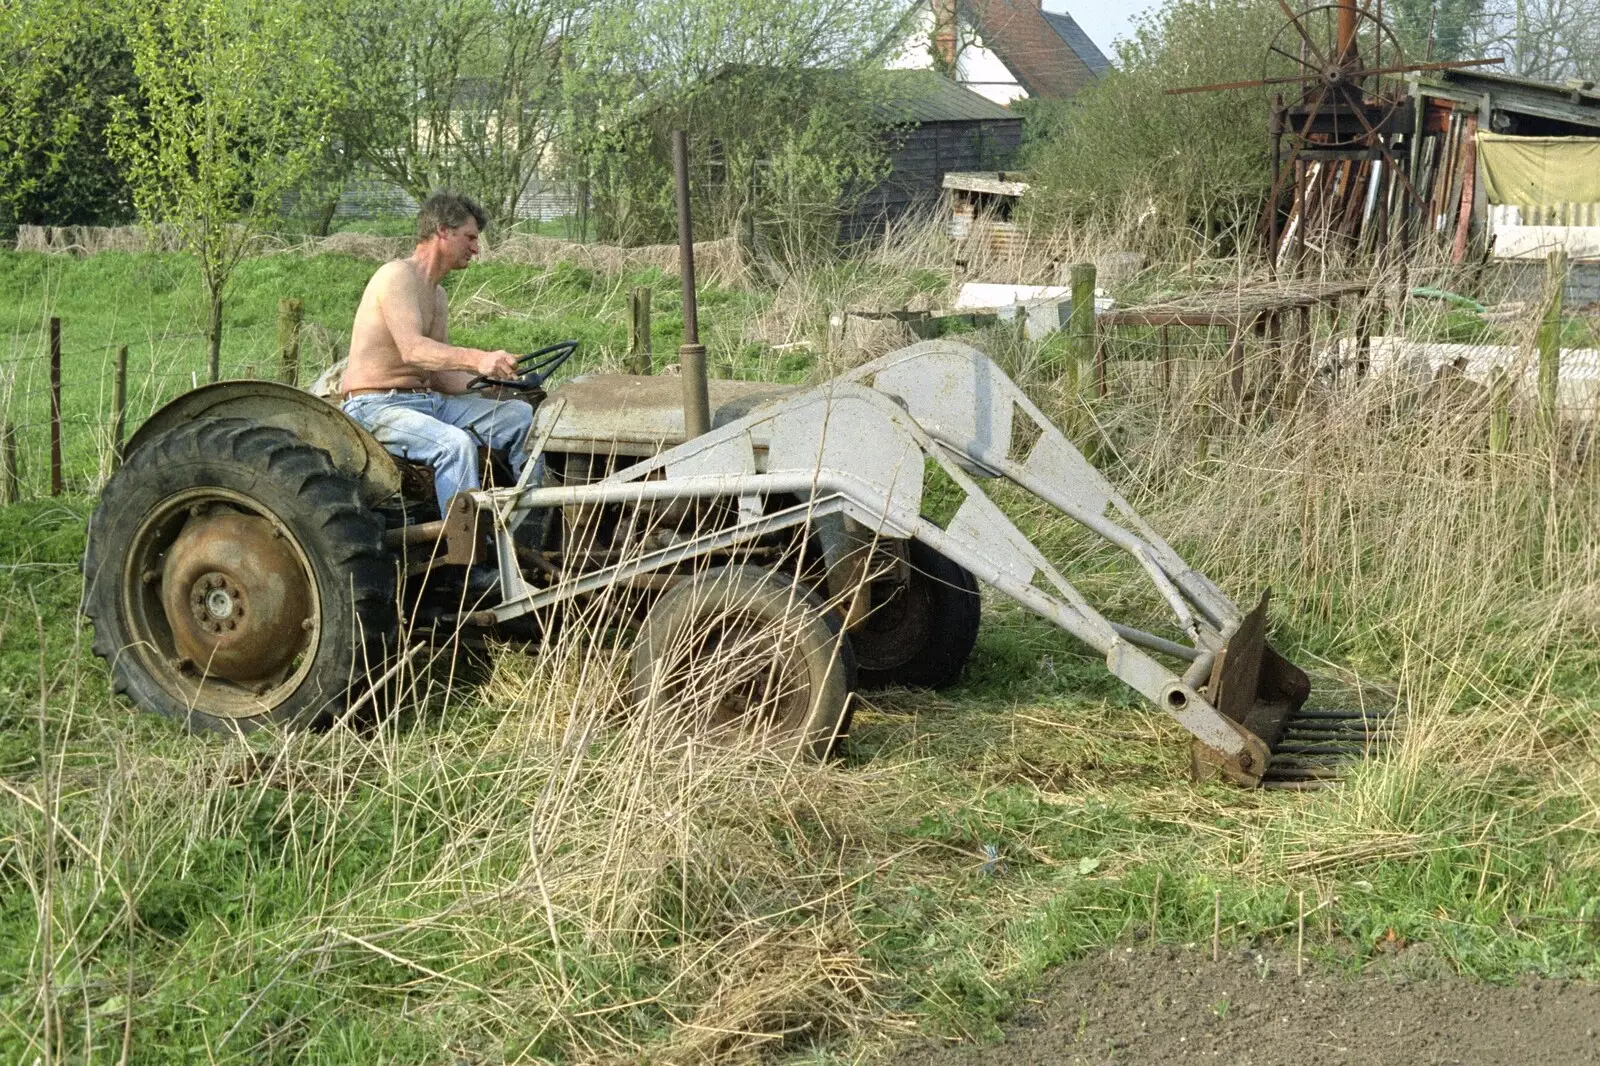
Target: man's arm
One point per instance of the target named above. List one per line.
(451, 382)
(400, 302)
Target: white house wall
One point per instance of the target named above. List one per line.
(977, 68)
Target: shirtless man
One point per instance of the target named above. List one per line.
(406, 383)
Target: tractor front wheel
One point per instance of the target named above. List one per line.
(742, 652)
(236, 579)
(919, 633)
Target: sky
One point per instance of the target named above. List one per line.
(1103, 20)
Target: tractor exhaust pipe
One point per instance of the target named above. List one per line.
(691, 353)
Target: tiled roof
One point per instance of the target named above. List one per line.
(1035, 47)
(1082, 47)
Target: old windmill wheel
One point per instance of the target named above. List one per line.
(1343, 107)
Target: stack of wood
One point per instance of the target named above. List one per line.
(1358, 205)
(1447, 167)
(1341, 205)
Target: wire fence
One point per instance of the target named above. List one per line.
(67, 408)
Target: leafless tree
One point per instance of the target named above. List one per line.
(461, 93)
(1550, 40)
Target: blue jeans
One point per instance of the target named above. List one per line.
(444, 432)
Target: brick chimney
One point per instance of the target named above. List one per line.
(944, 35)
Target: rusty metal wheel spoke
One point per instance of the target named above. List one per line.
(1294, 20)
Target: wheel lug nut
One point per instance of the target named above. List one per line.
(309, 624)
(149, 576)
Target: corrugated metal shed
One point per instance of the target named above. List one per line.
(1522, 106)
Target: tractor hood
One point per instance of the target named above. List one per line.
(629, 414)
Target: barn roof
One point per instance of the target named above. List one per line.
(923, 96)
(1068, 30)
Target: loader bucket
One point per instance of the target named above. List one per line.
(1256, 688)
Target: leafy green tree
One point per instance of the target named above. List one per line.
(1447, 23)
(782, 99)
(1197, 163)
(62, 63)
(237, 100)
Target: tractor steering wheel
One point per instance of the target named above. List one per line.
(533, 369)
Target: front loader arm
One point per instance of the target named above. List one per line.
(859, 445)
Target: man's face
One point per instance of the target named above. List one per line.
(459, 243)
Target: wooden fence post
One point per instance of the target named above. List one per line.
(1499, 411)
(119, 407)
(1165, 373)
(55, 407)
(640, 353)
(1550, 346)
(10, 472)
(1236, 364)
(1082, 327)
(290, 313)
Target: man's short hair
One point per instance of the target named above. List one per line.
(447, 209)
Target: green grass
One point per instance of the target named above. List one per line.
(346, 897)
(155, 305)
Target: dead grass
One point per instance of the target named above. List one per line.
(514, 871)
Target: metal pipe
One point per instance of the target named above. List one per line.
(691, 353)
(1275, 128)
(416, 533)
(1199, 673)
(1151, 642)
(803, 483)
(669, 556)
(1346, 53)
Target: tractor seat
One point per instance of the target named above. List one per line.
(416, 481)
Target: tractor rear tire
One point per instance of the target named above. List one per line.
(920, 634)
(236, 580)
(741, 651)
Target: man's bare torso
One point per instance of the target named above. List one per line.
(375, 361)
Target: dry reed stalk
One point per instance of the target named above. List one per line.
(644, 898)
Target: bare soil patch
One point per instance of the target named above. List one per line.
(1174, 1006)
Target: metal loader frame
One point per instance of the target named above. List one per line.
(858, 446)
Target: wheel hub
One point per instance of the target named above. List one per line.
(236, 597)
(217, 603)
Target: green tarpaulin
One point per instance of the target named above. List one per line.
(1539, 170)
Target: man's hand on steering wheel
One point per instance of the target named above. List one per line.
(527, 373)
(500, 365)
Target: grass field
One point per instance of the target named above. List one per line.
(467, 882)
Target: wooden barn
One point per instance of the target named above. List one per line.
(934, 127)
